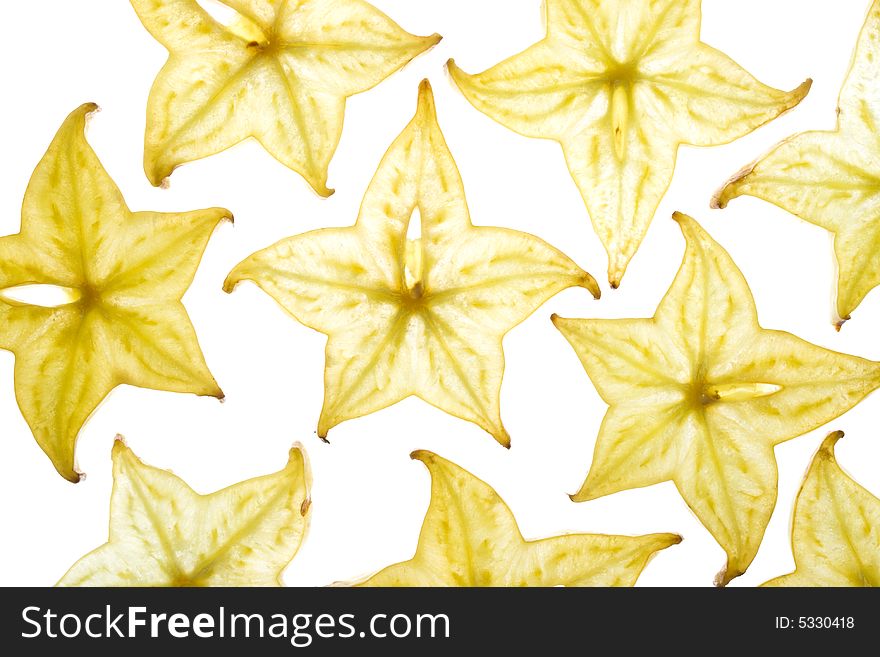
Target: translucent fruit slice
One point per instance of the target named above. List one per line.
(700, 394)
(620, 85)
(470, 538)
(116, 316)
(423, 316)
(835, 535)
(832, 178)
(162, 533)
(281, 74)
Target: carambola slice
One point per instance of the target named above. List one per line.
(163, 533)
(125, 273)
(620, 85)
(835, 535)
(832, 178)
(470, 538)
(701, 393)
(280, 73)
(422, 316)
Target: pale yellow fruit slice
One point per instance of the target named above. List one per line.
(832, 178)
(162, 533)
(620, 85)
(700, 394)
(835, 535)
(122, 321)
(422, 316)
(280, 74)
(470, 538)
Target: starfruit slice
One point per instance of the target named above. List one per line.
(163, 533)
(421, 316)
(122, 273)
(470, 538)
(832, 178)
(620, 85)
(280, 73)
(700, 394)
(835, 535)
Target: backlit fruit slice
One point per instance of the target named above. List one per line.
(701, 393)
(424, 316)
(835, 535)
(832, 178)
(280, 73)
(118, 278)
(470, 538)
(163, 533)
(620, 85)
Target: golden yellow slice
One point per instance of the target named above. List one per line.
(832, 178)
(163, 533)
(281, 73)
(470, 538)
(620, 85)
(835, 535)
(422, 316)
(123, 273)
(700, 394)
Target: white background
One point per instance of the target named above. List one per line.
(369, 498)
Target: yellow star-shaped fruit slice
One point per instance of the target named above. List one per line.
(123, 274)
(620, 85)
(835, 535)
(163, 533)
(832, 178)
(280, 73)
(701, 393)
(404, 316)
(470, 538)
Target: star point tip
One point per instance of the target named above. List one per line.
(422, 455)
(802, 89)
(830, 441)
